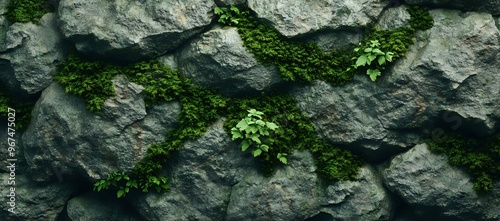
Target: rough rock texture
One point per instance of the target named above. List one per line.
(99, 206)
(230, 2)
(211, 179)
(4, 151)
(30, 54)
(34, 202)
(491, 6)
(65, 138)
(293, 18)
(218, 59)
(202, 175)
(131, 30)
(459, 56)
(438, 191)
(336, 40)
(4, 26)
(393, 18)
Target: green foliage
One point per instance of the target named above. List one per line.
(481, 158)
(26, 10)
(297, 61)
(370, 54)
(295, 132)
(228, 16)
(22, 110)
(255, 132)
(88, 79)
(420, 18)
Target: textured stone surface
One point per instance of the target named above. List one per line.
(34, 202)
(65, 137)
(30, 54)
(394, 17)
(202, 175)
(436, 190)
(99, 206)
(218, 59)
(230, 2)
(491, 6)
(131, 30)
(4, 149)
(451, 73)
(335, 40)
(298, 17)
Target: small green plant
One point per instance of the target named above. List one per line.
(256, 132)
(125, 183)
(370, 54)
(228, 16)
(26, 10)
(22, 110)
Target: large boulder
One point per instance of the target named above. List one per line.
(450, 75)
(201, 177)
(64, 138)
(438, 191)
(218, 59)
(132, 30)
(29, 54)
(491, 6)
(299, 17)
(34, 202)
(100, 206)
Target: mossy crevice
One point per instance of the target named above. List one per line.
(27, 10)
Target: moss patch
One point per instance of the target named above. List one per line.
(26, 10)
(22, 110)
(479, 157)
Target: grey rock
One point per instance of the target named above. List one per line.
(4, 25)
(202, 175)
(436, 190)
(298, 17)
(290, 194)
(170, 61)
(363, 199)
(34, 202)
(64, 138)
(218, 59)
(99, 206)
(490, 6)
(337, 40)
(450, 75)
(18, 154)
(132, 30)
(395, 17)
(29, 55)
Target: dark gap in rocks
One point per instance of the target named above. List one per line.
(320, 217)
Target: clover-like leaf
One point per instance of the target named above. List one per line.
(264, 147)
(218, 10)
(243, 124)
(120, 193)
(245, 144)
(254, 137)
(362, 60)
(381, 60)
(235, 9)
(282, 157)
(373, 73)
(271, 125)
(236, 133)
(378, 51)
(256, 152)
(388, 56)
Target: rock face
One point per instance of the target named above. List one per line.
(132, 30)
(66, 139)
(98, 206)
(436, 190)
(293, 18)
(491, 6)
(29, 55)
(393, 18)
(37, 202)
(458, 55)
(218, 59)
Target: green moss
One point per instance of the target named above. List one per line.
(297, 61)
(480, 158)
(420, 18)
(295, 132)
(22, 110)
(26, 10)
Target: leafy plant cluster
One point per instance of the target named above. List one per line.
(256, 133)
(481, 158)
(295, 131)
(305, 62)
(23, 110)
(228, 15)
(26, 10)
(371, 54)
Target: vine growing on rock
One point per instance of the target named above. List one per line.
(200, 108)
(480, 158)
(305, 62)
